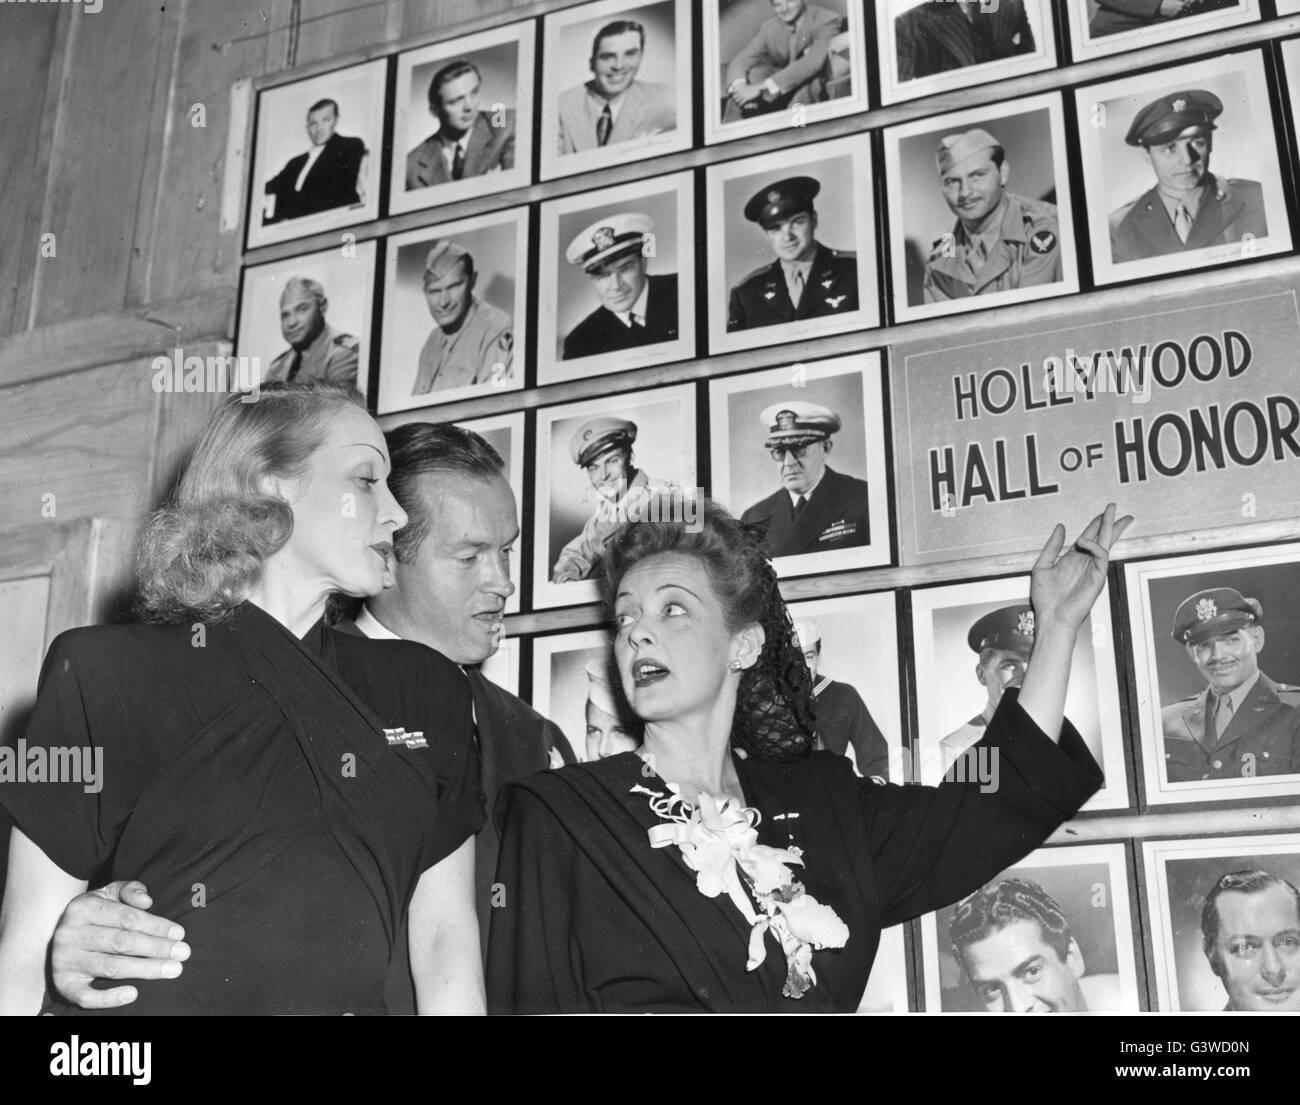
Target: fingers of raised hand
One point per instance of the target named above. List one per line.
(111, 915)
(81, 993)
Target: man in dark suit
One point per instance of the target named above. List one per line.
(817, 508)
(460, 508)
(468, 142)
(939, 35)
(786, 62)
(1189, 208)
(636, 308)
(1114, 16)
(1243, 724)
(807, 280)
(329, 175)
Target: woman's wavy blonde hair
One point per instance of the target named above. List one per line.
(204, 550)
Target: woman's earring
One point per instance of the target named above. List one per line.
(735, 665)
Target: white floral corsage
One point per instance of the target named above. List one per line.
(719, 841)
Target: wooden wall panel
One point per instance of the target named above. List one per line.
(185, 251)
(27, 52)
(97, 158)
(421, 16)
(87, 438)
(304, 31)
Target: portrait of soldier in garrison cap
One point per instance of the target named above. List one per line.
(985, 209)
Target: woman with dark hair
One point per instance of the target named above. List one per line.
(724, 866)
(260, 773)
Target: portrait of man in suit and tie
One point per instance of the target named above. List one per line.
(617, 84)
(938, 36)
(469, 141)
(330, 174)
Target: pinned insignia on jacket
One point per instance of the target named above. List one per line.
(506, 340)
(1044, 241)
(769, 295)
(347, 341)
(394, 737)
(835, 300)
(828, 283)
(1206, 609)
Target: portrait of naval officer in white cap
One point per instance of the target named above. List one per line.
(603, 446)
(636, 308)
(816, 508)
(608, 733)
(472, 342)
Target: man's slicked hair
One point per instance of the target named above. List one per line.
(420, 449)
(618, 27)
(1243, 882)
(994, 907)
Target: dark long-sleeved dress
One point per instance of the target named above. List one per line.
(247, 781)
(596, 920)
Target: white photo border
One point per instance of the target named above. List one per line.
(400, 200)
(959, 120)
(777, 164)
(1084, 48)
(871, 365)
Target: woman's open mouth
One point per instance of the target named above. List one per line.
(645, 672)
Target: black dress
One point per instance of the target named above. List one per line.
(595, 920)
(248, 783)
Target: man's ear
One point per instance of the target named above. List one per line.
(749, 645)
(1074, 959)
(827, 445)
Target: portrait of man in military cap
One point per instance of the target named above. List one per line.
(816, 509)
(308, 317)
(1183, 174)
(313, 159)
(794, 257)
(843, 719)
(452, 302)
(602, 448)
(807, 279)
(463, 118)
(1216, 669)
(972, 645)
(471, 342)
(601, 463)
(1189, 207)
(1001, 641)
(985, 209)
(617, 84)
(1242, 723)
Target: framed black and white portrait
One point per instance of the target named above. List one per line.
(1225, 923)
(616, 85)
(773, 64)
(800, 451)
(971, 641)
(932, 46)
(463, 118)
(1052, 934)
(600, 463)
(316, 154)
(1101, 27)
(796, 253)
(1216, 664)
(616, 279)
(574, 686)
(856, 680)
(980, 210)
(309, 317)
(1182, 169)
(455, 311)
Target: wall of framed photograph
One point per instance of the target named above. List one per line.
(986, 266)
